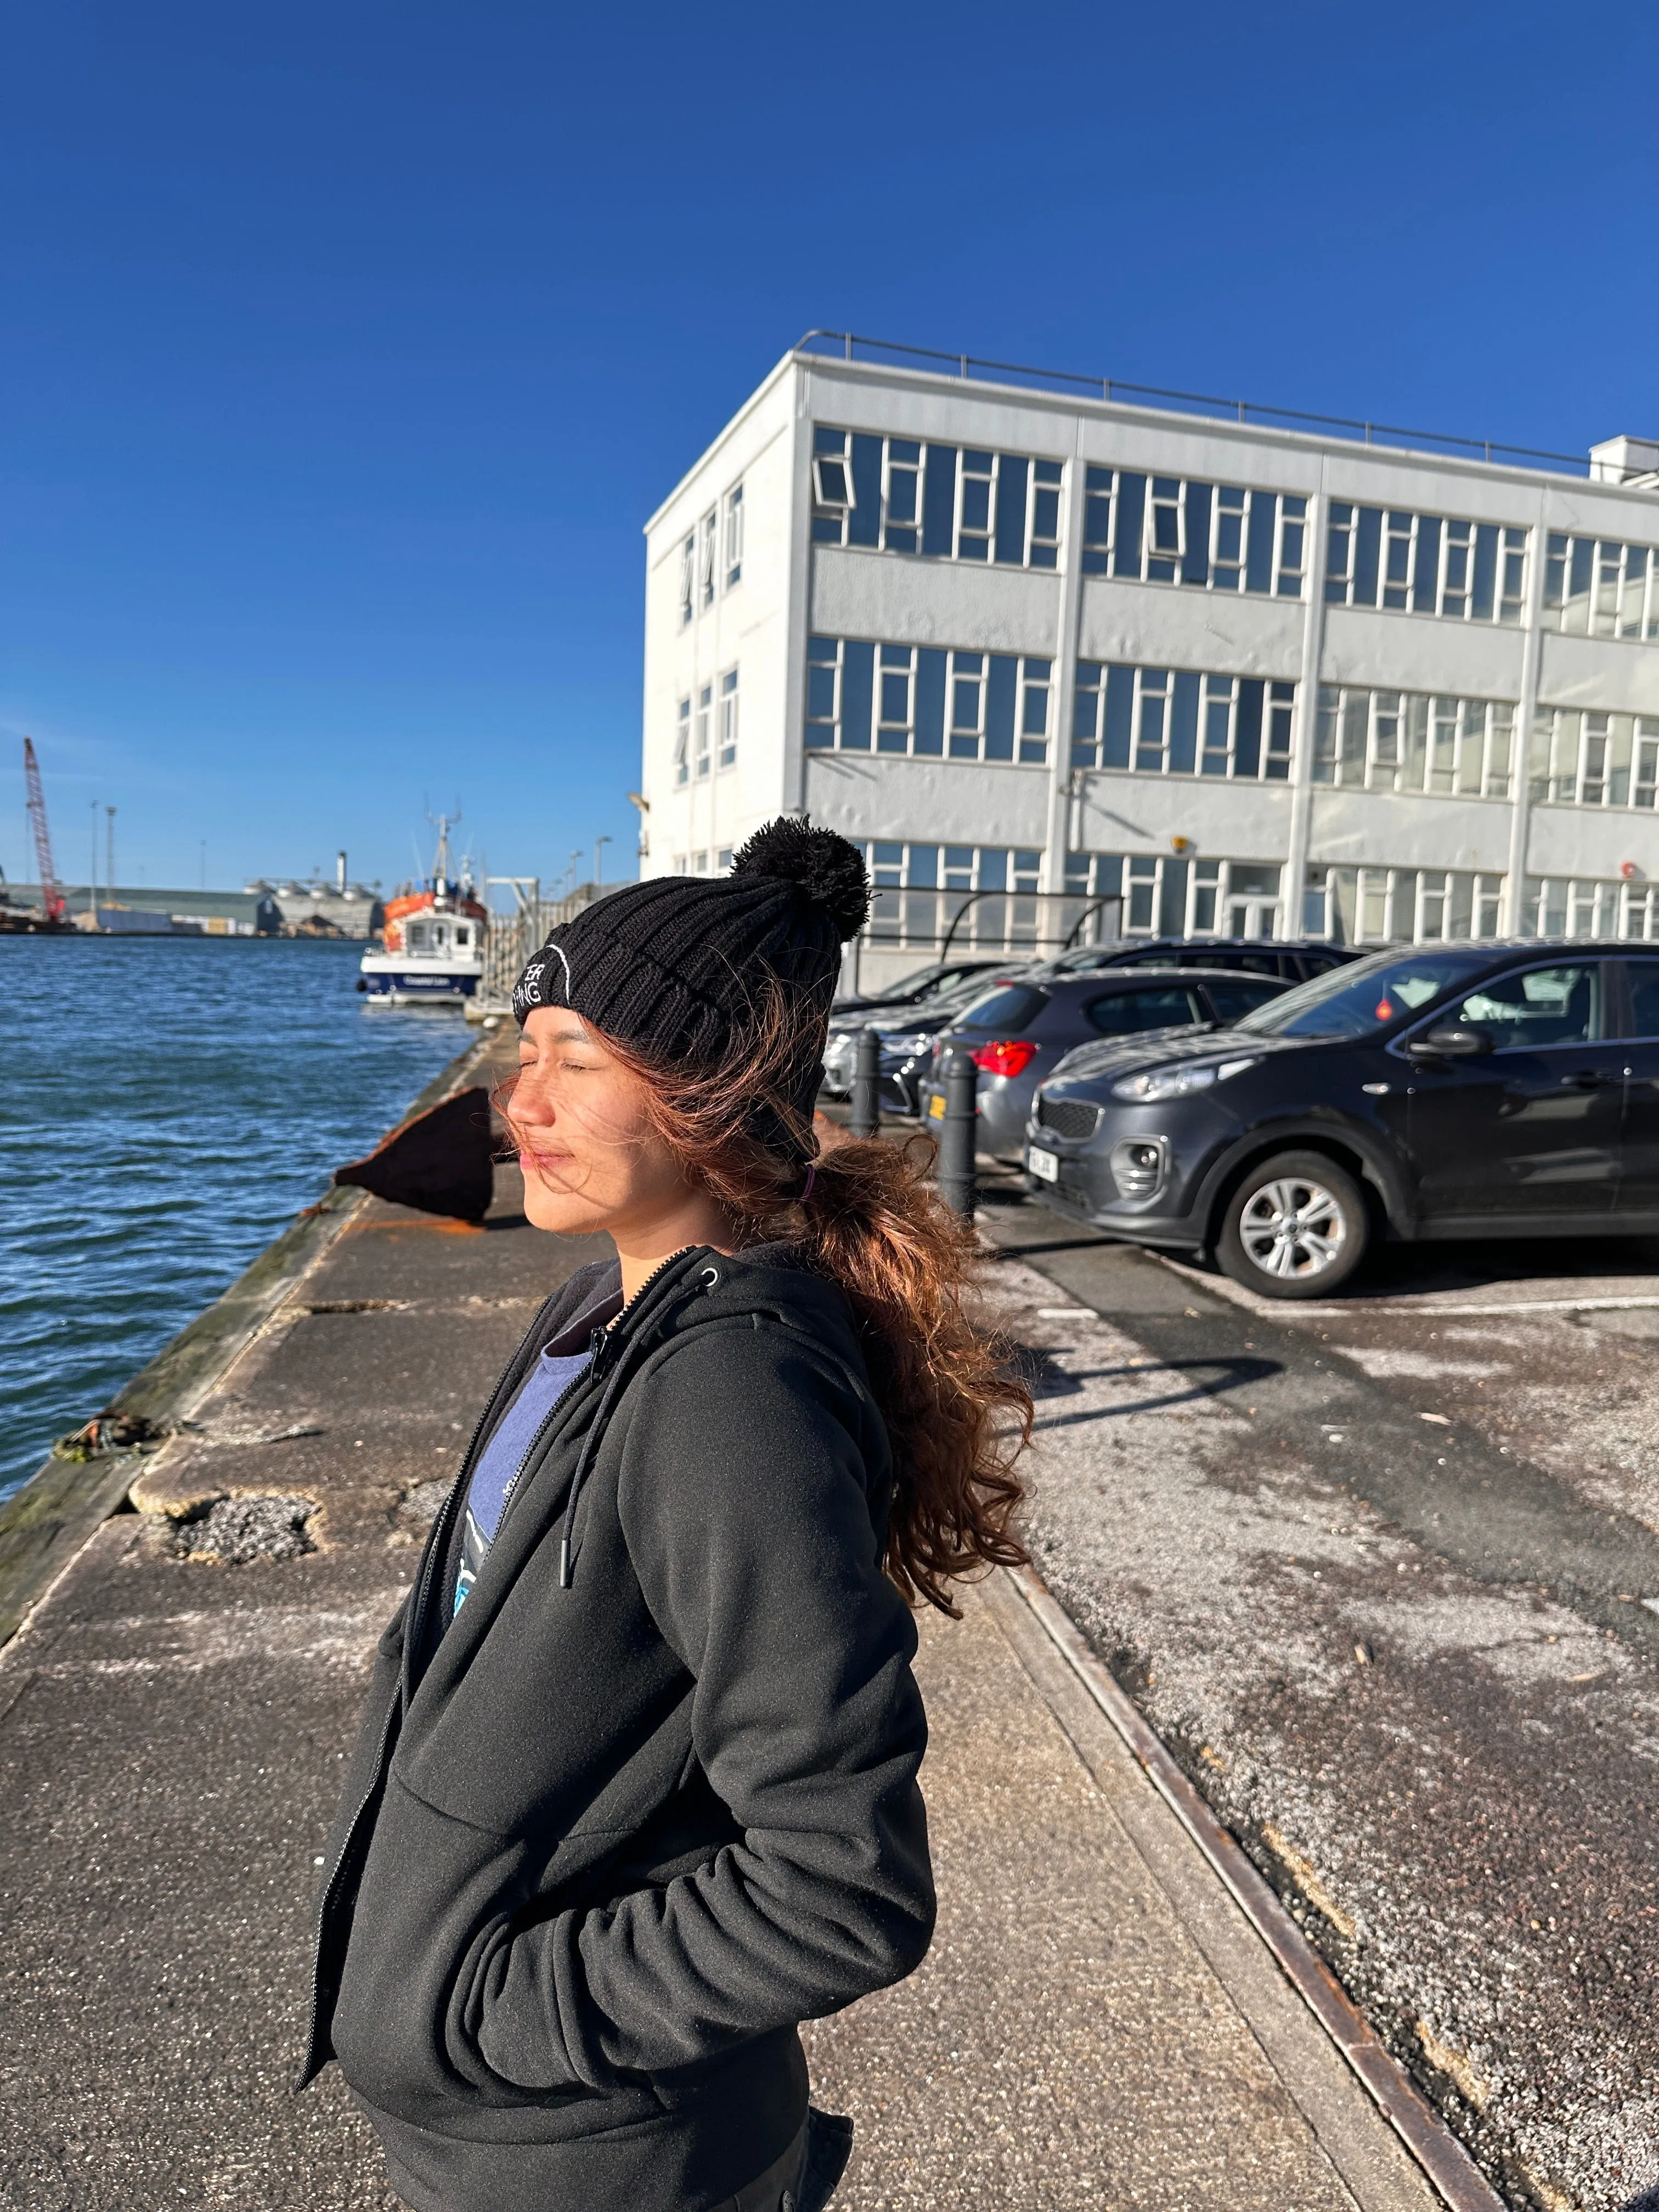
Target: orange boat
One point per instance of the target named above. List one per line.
(432, 951)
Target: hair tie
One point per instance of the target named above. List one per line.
(807, 1187)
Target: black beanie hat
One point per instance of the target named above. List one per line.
(675, 965)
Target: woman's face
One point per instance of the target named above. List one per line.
(591, 1159)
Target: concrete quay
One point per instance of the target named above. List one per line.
(1098, 2024)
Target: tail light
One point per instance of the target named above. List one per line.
(1011, 1057)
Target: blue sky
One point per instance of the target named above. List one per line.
(348, 347)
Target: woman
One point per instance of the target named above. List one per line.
(637, 1789)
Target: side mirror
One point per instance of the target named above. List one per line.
(1452, 1042)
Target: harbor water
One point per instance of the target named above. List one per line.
(168, 1104)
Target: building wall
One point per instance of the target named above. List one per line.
(1428, 760)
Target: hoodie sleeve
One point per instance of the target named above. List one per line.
(755, 1548)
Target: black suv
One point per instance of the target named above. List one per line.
(1446, 1091)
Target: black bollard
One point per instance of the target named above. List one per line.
(957, 1135)
(865, 1119)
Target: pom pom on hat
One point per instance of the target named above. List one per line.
(824, 866)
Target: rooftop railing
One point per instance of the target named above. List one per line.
(851, 347)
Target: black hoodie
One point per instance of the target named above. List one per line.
(649, 1800)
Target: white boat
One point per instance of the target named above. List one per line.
(432, 950)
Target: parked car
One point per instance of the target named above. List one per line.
(1294, 959)
(907, 1034)
(1449, 1091)
(923, 983)
(1020, 1032)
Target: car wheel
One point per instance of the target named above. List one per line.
(1295, 1228)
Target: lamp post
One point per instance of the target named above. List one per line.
(599, 865)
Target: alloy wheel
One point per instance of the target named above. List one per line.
(1293, 1228)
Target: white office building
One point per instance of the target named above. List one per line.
(1108, 662)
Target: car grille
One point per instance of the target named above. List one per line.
(1067, 1117)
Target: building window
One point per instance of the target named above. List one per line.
(920, 888)
(895, 700)
(1042, 547)
(1592, 588)
(704, 721)
(724, 859)
(901, 495)
(1161, 721)
(925, 700)
(1394, 906)
(1425, 564)
(700, 863)
(832, 487)
(687, 577)
(976, 499)
(1580, 757)
(1405, 741)
(731, 558)
(1167, 530)
(679, 864)
(706, 565)
(683, 742)
(729, 718)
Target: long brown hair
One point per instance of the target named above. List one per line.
(957, 1414)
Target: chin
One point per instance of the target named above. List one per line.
(564, 1214)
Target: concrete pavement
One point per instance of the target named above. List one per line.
(1376, 1571)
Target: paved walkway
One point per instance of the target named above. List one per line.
(1097, 2024)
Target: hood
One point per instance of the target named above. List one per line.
(1090, 1065)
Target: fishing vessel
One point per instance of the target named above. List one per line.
(432, 951)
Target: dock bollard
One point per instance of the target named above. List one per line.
(954, 1173)
(865, 1119)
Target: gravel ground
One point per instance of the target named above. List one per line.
(1378, 1575)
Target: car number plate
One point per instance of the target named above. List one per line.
(1045, 1165)
(936, 1107)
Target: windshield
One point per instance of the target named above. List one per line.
(1354, 1001)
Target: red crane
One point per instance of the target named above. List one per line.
(51, 899)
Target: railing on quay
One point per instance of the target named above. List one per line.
(965, 365)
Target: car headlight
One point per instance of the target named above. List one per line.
(905, 1042)
(1153, 1083)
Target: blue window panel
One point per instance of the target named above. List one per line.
(1259, 553)
(1196, 563)
(821, 693)
(1120, 716)
(1183, 724)
(826, 530)
(829, 441)
(924, 867)
(993, 868)
(1486, 571)
(1126, 539)
(929, 700)
(938, 501)
(864, 523)
(1084, 703)
(1367, 552)
(1172, 922)
(857, 688)
(999, 707)
(1246, 728)
(1011, 508)
(1425, 584)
